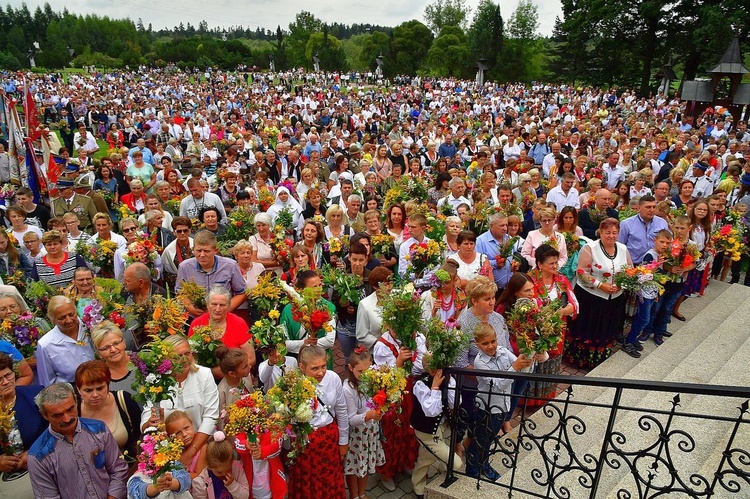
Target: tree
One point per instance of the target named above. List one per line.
(411, 41)
(304, 25)
(443, 13)
(374, 45)
(329, 51)
(524, 22)
(449, 53)
(486, 33)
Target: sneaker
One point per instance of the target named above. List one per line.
(643, 337)
(472, 472)
(638, 346)
(388, 485)
(490, 473)
(666, 334)
(658, 340)
(630, 349)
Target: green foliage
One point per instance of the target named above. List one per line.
(486, 33)
(304, 25)
(449, 53)
(352, 48)
(442, 13)
(9, 61)
(376, 44)
(411, 42)
(524, 22)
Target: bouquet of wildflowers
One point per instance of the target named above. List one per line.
(126, 212)
(38, 295)
(346, 286)
(402, 315)
(537, 329)
(444, 211)
(395, 195)
(414, 188)
(8, 191)
(267, 295)
(22, 332)
(382, 244)
(155, 365)
(641, 278)
(282, 249)
(265, 199)
(729, 240)
(10, 437)
(681, 255)
(423, 256)
(193, 292)
(506, 250)
(106, 305)
(626, 212)
(159, 454)
(268, 335)
(142, 251)
(284, 220)
(572, 242)
(239, 227)
(100, 255)
(254, 414)
(384, 386)
(172, 206)
(203, 344)
(309, 309)
(295, 398)
(169, 317)
(17, 279)
(435, 228)
(109, 196)
(337, 246)
(446, 342)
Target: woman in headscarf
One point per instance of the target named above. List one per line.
(285, 200)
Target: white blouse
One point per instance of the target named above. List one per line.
(269, 374)
(382, 354)
(331, 402)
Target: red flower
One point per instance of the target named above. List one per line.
(724, 231)
(607, 274)
(580, 271)
(687, 261)
(597, 266)
(676, 249)
(318, 318)
(380, 398)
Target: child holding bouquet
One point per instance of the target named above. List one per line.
(492, 400)
(148, 482)
(237, 380)
(365, 450)
(317, 472)
(434, 399)
(223, 477)
(179, 424)
(677, 266)
(274, 367)
(648, 296)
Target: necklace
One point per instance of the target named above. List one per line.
(446, 306)
(12, 402)
(612, 256)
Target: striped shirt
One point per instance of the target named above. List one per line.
(58, 275)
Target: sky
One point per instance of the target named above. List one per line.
(269, 13)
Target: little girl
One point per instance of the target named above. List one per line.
(178, 423)
(317, 473)
(262, 464)
(365, 451)
(223, 476)
(170, 485)
(274, 367)
(237, 380)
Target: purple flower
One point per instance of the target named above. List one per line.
(165, 366)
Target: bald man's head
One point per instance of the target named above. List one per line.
(602, 198)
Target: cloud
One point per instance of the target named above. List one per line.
(269, 13)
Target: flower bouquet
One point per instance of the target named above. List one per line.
(101, 255)
(445, 342)
(8, 191)
(294, 397)
(345, 286)
(382, 244)
(626, 212)
(309, 309)
(282, 250)
(435, 228)
(239, 227)
(22, 332)
(106, 305)
(414, 188)
(193, 292)
(143, 251)
(253, 414)
(384, 386)
(537, 329)
(169, 317)
(402, 316)
(284, 220)
(155, 365)
(126, 212)
(203, 344)
(17, 279)
(172, 206)
(337, 246)
(423, 256)
(640, 279)
(265, 199)
(10, 437)
(267, 295)
(38, 295)
(679, 255)
(395, 195)
(109, 196)
(506, 250)
(268, 335)
(159, 454)
(729, 240)
(444, 211)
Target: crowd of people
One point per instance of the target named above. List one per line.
(545, 193)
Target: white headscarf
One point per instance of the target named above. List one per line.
(291, 203)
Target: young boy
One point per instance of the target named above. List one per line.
(661, 313)
(492, 399)
(434, 397)
(649, 297)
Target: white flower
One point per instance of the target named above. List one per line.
(151, 378)
(304, 413)
(409, 288)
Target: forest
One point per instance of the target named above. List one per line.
(596, 42)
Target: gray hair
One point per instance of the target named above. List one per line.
(102, 329)
(136, 183)
(161, 183)
(53, 394)
(150, 214)
(496, 217)
(56, 302)
(176, 340)
(262, 218)
(354, 197)
(219, 290)
(16, 297)
(455, 181)
(451, 219)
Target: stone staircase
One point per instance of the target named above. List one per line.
(712, 347)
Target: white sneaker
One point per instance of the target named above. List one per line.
(388, 485)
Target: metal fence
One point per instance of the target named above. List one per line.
(635, 439)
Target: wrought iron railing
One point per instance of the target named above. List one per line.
(636, 439)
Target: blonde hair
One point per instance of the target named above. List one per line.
(483, 330)
(479, 287)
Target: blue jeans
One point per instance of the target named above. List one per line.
(486, 427)
(641, 319)
(348, 343)
(660, 317)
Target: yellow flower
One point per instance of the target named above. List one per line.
(258, 324)
(274, 314)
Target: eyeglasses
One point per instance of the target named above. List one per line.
(112, 345)
(8, 378)
(129, 229)
(10, 308)
(547, 221)
(181, 231)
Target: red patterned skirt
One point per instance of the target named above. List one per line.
(399, 442)
(318, 472)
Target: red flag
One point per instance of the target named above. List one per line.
(53, 169)
(32, 117)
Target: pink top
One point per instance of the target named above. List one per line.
(536, 239)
